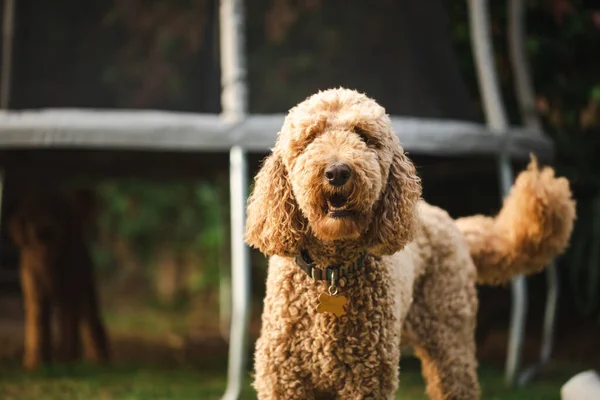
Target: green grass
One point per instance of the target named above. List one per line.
(137, 383)
(206, 380)
(122, 383)
(491, 380)
(149, 322)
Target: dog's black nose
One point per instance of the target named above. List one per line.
(338, 174)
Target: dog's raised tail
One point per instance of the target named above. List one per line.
(533, 227)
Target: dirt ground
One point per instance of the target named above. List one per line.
(128, 346)
(147, 336)
(179, 355)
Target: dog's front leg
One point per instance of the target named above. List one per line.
(38, 340)
(372, 388)
(372, 376)
(279, 373)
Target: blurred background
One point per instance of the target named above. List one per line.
(161, 248)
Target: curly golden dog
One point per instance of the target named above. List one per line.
(359, 261)
(57, 275)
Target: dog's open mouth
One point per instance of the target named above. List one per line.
(337, 207)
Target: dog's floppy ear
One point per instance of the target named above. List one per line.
(17, 230)
(395, 218)
(274, 222)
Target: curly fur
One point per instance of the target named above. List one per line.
(533, 227)
(418, 280)
(57, 274)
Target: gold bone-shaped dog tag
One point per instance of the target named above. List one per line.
(332, 304)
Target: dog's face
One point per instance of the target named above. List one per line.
(41, 228)
(337, 172)
(45, 223)
(338, 160)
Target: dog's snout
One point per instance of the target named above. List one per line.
(338, 174)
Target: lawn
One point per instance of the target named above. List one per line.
(150, 364)
(133, 383)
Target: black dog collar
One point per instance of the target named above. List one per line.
(304, 261)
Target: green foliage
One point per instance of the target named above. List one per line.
(174, 212)
(585, 259)
(562, 45)
(298, 47)
(565, 69)
(188, 218)
(163, 41)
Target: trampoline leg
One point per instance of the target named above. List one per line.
(518, 315)
(549, 324)
(526, 99)
(518, 288)
(240, 276)
(498, 122)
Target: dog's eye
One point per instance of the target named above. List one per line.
(365, 137)
(301, 142)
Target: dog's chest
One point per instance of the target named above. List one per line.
(368, 333)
